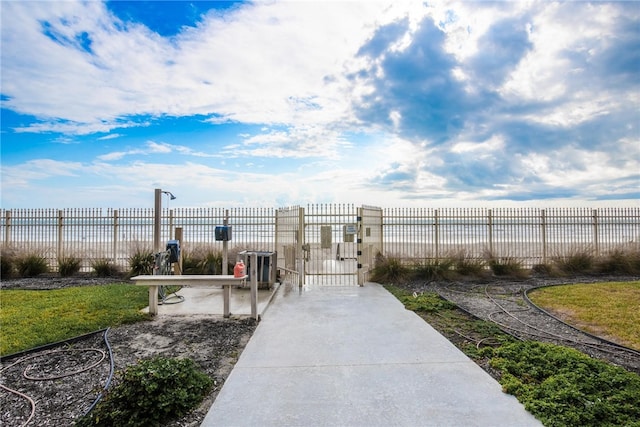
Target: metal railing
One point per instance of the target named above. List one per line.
(116, 234)
(531, 235)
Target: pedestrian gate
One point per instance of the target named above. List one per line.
(329, 245)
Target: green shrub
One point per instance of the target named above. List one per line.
(31, 265)
(564, 387)
(389, 270)
(141, 262)
(150, 393)
(68, 266)
(103, 267)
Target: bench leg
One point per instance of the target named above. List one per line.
(226, 294)
(254, 286)
(153, 300)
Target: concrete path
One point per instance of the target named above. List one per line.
(353, 356)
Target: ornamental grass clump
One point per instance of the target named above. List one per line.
(435, 269)
(507, 267)
(7, 261)
(577, 261)
(141, 262)
(619, 261)
(389, 270)
(104, 268)
(68, 266)
(31, 265)
(467, 265)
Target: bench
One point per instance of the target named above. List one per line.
(201, 281)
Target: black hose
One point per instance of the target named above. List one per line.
(111, 372)
(50, 345)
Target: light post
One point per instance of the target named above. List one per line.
(157, 216)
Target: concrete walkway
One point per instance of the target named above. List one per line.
(353, 356)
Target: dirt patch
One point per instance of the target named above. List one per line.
(71, 376)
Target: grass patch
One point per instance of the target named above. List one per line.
(607, 309)
(30, 319)
(560, 386)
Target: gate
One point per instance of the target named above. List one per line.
(328, 245)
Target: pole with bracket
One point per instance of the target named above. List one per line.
(225, 246)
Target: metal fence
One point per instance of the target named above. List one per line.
(117, 234)
(412, 234)
(530, 235)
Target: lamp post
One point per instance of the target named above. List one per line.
(157, 216)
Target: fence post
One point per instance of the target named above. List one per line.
(596, 240)
(359, 246)
(300, 242)
(60, 252)
(490, 231)
(225, 246)
(436, 232)
(7, 228)
(114, 247)
(543, 233)
(157, 219)
(171, 220)
(179, 239)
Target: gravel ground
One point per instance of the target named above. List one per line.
(65, 380)
(502, 302)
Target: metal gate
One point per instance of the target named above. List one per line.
(328, 245)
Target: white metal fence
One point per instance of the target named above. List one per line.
(116, 234)
(530, 235)
(413, 234)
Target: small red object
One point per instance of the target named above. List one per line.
(238, 269)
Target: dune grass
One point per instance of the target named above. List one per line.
(610, 309)
(31, 318)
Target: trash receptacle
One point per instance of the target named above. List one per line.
(266, 267)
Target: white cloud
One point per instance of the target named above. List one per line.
(152, 147)
(495, 143)
(291, 67)
(247, 66)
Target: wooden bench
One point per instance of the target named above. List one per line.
(201, 281)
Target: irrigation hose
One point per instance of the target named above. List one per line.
(30, 400)
(111, 372)
(164, 299)
(25, 372)
(26, 375)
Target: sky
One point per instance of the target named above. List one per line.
(280, 103)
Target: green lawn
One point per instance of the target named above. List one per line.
(610, 310)
(33, 318)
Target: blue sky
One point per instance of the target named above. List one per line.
(435, 104)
